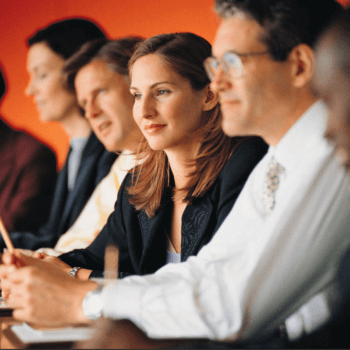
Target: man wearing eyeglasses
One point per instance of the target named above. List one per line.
(281, 242)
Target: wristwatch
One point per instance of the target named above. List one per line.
(93, 304)
(73, 271)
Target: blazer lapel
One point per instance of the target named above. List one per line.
(59, 201)
(195, 222)
(154, 237)
(87, 164)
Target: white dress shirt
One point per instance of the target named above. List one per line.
(259, 267)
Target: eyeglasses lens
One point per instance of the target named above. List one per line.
(231, 64)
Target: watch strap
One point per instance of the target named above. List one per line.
(73, 271)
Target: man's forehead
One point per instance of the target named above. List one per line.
(94, 71)
(238, 33)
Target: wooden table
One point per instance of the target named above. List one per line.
(5, 323)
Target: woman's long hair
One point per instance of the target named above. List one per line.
(185, 54)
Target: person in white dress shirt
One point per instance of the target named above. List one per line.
(324, 320)
(283, 239)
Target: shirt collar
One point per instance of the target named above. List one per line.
(309, 128)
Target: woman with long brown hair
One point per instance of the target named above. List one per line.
(190, 172)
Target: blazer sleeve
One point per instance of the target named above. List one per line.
(34, 185)
(114, 231)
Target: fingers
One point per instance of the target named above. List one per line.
(5, 270)
(8, 258)
(23, 275)
(5, 294)
(39, 255)
(16, 258)
(17, 284)
(7, 286)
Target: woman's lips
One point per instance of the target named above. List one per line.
(153, 128)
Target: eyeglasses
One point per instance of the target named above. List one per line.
(231, 63)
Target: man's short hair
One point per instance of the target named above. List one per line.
(116, 53)
(287, 23)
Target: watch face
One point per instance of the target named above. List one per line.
(93, 305)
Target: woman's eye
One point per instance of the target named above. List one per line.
(101, 91)
(163, 92)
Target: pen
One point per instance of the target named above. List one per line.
(111, 262)
(6, 237)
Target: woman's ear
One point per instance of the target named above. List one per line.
(212, 99)
(303, 63)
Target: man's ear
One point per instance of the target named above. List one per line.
(303, 64)
(212, 99)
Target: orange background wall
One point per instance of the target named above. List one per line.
(21, 18)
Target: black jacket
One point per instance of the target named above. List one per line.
(66, 207)
(142, 240)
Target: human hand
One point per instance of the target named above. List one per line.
(42, 293)
(54, 261)
(16, 258)
(8, 259)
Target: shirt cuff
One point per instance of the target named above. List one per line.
(311, 316)
(122, 300)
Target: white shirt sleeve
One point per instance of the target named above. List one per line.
(221, 294)
(259, 268)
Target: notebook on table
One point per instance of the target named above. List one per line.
(25, 336)
(5, 310)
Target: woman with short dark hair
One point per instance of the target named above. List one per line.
(87, 162)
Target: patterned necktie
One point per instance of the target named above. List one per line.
(271, 184)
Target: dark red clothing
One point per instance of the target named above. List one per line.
(27, 179)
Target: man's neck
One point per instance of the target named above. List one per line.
(282, 125)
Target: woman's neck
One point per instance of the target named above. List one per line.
(179, 163)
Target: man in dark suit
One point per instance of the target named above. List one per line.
(67, 205)
(27, 177)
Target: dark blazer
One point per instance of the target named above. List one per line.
(66, 207)
(28, 174)
(142, 240)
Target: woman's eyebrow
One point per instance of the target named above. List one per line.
(154, 85)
